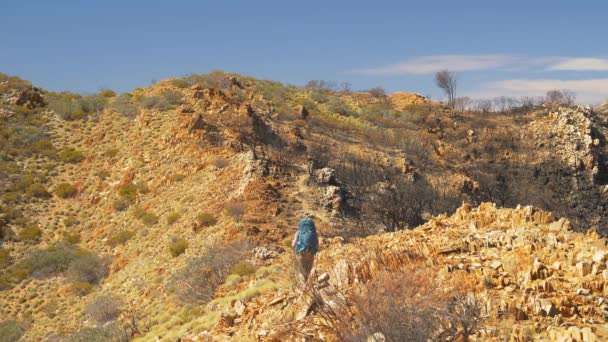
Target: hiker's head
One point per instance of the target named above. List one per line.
(307, 216)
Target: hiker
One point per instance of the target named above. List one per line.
(305, 244)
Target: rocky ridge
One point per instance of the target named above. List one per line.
(535, 277)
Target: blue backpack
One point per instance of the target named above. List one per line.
(307, 237)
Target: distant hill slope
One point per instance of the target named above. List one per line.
(131, 196)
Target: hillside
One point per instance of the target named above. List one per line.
(167, 213)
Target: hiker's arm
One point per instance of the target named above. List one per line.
(295, 239)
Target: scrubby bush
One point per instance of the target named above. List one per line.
(120, 204)
(243, 268)
(173, 217)
(11, 331)
(71, 155)
(177, 247)
(70, 221)
(87, 267)
(73, 238)
(108, 333)
(124, 106)
(104, 308)
(206, 219)
(377, 92)
(197, 281)
(336, 105)
(65, 190)
(107, 93)
(30, 233)
(111, 152)
(128, 192)
(81, 288)
(120, 238)
(38, 190)
(179, 83)
(5, 257)
(220, 163)
(174, 98)
(72, 106)
(155, 102)
(52, 260)
(236, 210)
(149, 219)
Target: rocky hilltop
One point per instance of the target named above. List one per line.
(166, 213)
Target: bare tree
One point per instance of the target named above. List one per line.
(462, 103)
(446, 80)
(564, 96)
(345, 87)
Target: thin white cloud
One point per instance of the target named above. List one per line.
(591, 64)
(431, 64)
(591, 91)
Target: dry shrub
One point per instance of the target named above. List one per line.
(198, 280)
(104, 308)
(399, 306)
(236, 210)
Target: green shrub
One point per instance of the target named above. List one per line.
(73, 238)
(11, 331)
(5, 257)
(338, 106)
(121, 204)
(52, 260)
(128, 192)
(120, 238)
(71, 155)
(30, 234)
(149, 219)
(142, 187)
(206, 220)
(179, 82)
(87, 267)
(155, 102)
(70, 221)
(81, 288)
(173, 217)
(38, 190)
(178, 247)
(243, 268)
(65, 190)
(107, 93)
(111, 152)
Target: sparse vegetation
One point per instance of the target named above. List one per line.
(120, 238)
(30, 233)
(71, 155)
(173, 217)
(205, 219)
(11, 331)
(236, 210)
(107, 333)
(178, 246)
(104, 308)
(124, 106)
(65, 190)
(197, 281)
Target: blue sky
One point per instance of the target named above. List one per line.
(496, 48)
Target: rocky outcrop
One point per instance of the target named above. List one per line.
(30, 97)
(527, 268)
(402, 100)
